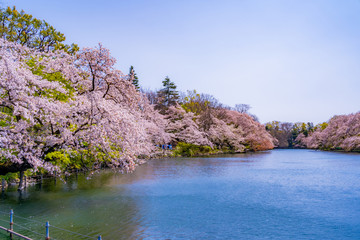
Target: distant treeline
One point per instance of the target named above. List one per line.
(339, 133)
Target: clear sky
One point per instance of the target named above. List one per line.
(290, 60)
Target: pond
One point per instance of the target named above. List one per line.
(278, 194)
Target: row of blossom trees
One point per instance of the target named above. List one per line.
(201, 120)
(340, 133)
(62, 110)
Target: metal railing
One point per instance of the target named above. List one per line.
(12, 233)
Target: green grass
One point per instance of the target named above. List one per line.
(189, 150)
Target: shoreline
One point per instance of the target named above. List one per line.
(31, 180)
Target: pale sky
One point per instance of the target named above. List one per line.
(290, 60)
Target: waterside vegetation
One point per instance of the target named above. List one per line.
(64, 109)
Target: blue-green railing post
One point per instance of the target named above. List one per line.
(47, 225)
(99, 238)
(11, 222)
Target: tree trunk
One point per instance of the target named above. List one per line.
(21, 183)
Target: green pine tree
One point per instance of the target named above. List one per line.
(168, 95)
(135, 79)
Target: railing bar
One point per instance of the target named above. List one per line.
(29, 219)
(15, 233)
(18, 225)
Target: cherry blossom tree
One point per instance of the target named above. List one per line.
(56, 108)
(253, 134)
(32, 118)
(341, 132)
(183, 127)
(109, 113)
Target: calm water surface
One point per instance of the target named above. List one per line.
(280, 194)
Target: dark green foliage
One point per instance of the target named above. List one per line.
(134, 78)
(31, 32)
(168, 96)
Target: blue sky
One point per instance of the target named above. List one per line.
(290, 60)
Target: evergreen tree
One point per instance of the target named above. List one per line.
(134, 78)
(168, 95)
(32, 32)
